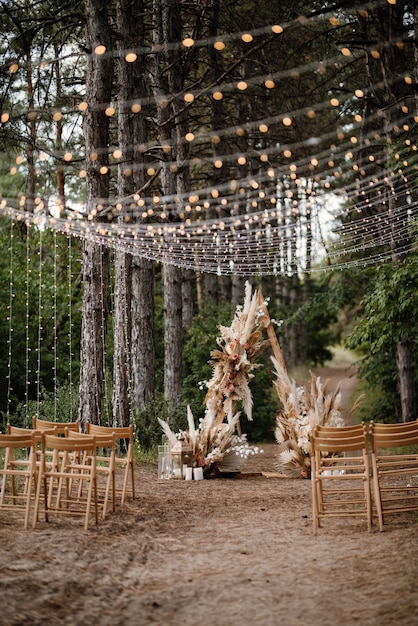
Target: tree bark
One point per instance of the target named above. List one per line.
(134, 351)
(122, 340)
(188, 297)
(406, 371)
(164, 20)
(99, 73)
(143, 330)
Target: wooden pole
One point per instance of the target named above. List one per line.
(278, 355)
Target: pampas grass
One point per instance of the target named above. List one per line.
(303, 408)
(234, 362)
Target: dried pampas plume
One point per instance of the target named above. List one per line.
(233, 364)
(303, 408)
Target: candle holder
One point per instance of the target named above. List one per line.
(163, 461)
(181, 456)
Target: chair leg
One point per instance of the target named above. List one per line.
(315, 518)
(96, 506)
(31, 480)
(41, 480)
(125, 483)
(131, 462)
(377, 498)
(114, 490)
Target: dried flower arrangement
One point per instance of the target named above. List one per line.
(303, 409)
(233, 365)
(234, 362)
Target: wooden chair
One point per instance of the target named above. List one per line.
(104, 457)
(61, 478)
(395, 467)
(18, 473)
(340, 474)
(123, 460)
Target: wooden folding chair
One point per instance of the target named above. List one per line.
(340, 474)
(105, 455)
(61, 478)
(18, 473)
(123, 460)
(395, 467)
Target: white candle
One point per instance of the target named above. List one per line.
(198, 473)
(189, 473)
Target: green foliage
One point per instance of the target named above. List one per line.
(148, 431)
(55, 406)
(199, 341)
(315, 316)
(381, 402)
(265, 403)
(389, 313)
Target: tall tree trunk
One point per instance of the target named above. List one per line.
(99, 73)
(121, 340)
(406, 370)
(164, 24)
(134, 351)
(218, 175)
(59, 129)
(188, 297)
(173, 321)
(30, 153)
(143, 360)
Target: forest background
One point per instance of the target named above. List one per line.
(274, 142)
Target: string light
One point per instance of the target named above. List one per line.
(10, 320)
(27, 319)
(344, 145)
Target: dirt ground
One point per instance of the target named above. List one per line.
(223, 552)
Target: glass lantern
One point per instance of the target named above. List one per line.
(181, 456)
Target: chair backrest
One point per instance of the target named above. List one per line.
(121, 432)
(38, 424)
(339, 439)
(393, 435)
(124, 433)
(17, 440)
(68, 443)
(102, 439)
(18, 430)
